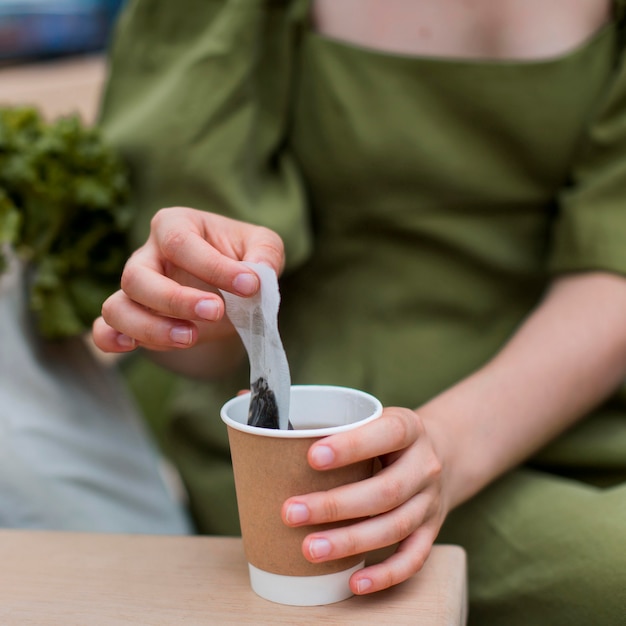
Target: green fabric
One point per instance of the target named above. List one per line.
(544, 550)
(425, 203)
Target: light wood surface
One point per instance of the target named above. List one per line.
(75, 579)
(59, 87)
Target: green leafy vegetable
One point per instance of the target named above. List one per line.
(63, 210)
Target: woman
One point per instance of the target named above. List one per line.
(450, 201)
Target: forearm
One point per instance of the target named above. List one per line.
(567, 357)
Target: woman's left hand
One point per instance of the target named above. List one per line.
(403, 502)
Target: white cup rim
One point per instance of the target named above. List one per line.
(377, 409)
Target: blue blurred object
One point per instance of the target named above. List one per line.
(48, 28)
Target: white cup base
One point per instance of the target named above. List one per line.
(302, 590)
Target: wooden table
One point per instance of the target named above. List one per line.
(76, 579)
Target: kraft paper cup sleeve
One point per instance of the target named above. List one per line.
(267, 472)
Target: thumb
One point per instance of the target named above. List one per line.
(267, 248)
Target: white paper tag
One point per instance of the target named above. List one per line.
(256, 321)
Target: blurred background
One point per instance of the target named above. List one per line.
(52, 54)
(40, 29)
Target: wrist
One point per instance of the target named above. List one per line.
(463, 471)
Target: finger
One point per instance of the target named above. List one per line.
(384, 492)
(147, 328)
(108, 339)
(189, 251)
(246, 242)
(374, 534)
(408, 559)
(395, 430)
(157, 292)
(212, 246)
(265, 246)
(370, 534)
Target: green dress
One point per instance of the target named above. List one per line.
(425, 203)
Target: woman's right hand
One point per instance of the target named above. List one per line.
(168, 297)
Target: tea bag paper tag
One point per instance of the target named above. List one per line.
(256, 321)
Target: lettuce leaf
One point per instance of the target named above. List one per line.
(64, 211)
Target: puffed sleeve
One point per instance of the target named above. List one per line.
(590, 227)
(197, 102)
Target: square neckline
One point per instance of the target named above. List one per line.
(618, 16)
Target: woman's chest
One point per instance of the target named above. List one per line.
(444, 129)
(480, 29)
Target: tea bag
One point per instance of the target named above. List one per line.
(256, 321)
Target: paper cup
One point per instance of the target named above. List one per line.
(270, 466)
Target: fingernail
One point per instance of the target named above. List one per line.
(322, 456)
(319, 548)
(181, 334)
(363, 585)
(208, 310)
(297, 513)
(246, 284)
(125, 341)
